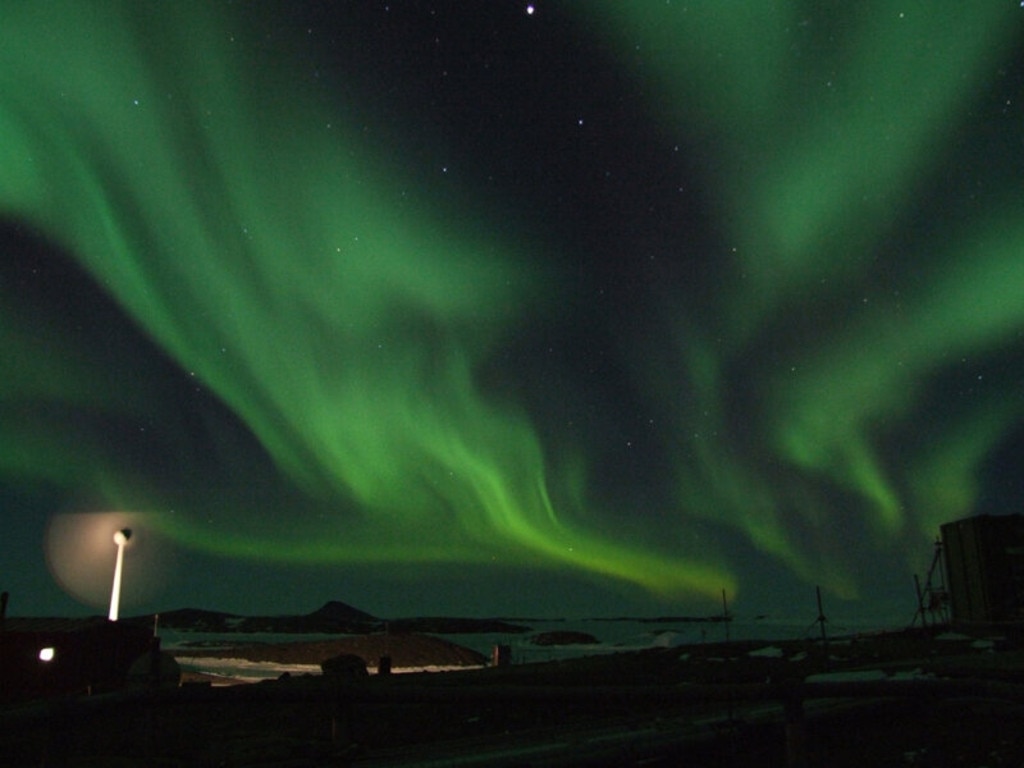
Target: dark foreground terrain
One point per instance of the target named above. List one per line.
(882, 700)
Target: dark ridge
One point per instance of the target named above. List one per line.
(445, 625)
(196, 619)
(670, 619)
(333, 617)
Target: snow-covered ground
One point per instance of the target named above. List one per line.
(611, 635)
(234, 670)
(242, 670)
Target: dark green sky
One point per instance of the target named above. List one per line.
(452, 308)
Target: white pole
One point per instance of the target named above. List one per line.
(120, 538)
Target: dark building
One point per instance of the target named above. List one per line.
(985, 568)
(46, 657)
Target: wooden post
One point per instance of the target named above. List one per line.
(920, 602)
(501, 655)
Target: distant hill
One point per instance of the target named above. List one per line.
(335, 610)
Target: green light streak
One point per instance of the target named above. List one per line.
(256, 238)
(825, 122)
(254, 234)
(826, 125)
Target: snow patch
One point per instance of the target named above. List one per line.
(768, 652)
(255, 671)
(228, 667)
(913, 674)
(847, 676)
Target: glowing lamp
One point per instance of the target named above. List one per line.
(46, 654)
(120, 538)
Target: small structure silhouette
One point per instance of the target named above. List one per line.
(43, 657)
(985, 568)
(344, 668)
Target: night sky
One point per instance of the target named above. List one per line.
(481, 308)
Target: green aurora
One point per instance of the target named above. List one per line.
(360, 323)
